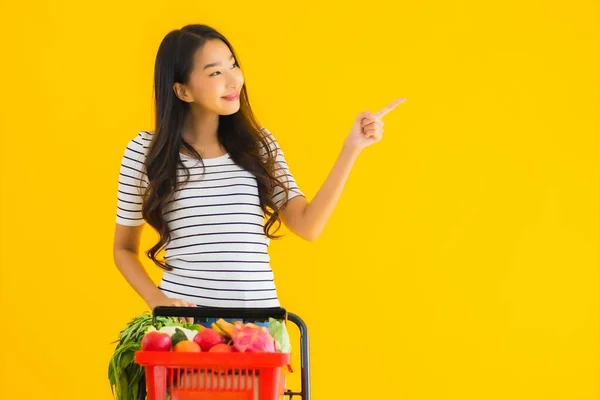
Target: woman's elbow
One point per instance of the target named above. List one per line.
(310, 236)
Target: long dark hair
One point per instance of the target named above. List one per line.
(239, 133)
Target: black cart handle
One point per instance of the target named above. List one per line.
(216, 312)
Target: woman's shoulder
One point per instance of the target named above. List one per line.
(267, 133)
(270, 139)
(140, 142)
(134, 156)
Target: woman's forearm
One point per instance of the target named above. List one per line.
(135, 274)
(319, 210)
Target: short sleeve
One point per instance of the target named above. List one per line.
(132, 181)
(283, 173)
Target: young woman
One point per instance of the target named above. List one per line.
(214, 183)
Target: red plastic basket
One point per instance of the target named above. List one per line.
(214, 376)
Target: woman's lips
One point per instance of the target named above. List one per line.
(233, 97)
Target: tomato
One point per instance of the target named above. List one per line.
(207, 338)
(221, 348)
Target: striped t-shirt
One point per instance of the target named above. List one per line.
(218, 249)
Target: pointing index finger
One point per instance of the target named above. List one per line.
(390, 107)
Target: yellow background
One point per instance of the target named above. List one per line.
(462, 260)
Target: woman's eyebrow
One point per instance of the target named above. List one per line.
(214, 64)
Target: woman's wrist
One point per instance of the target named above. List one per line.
(155, 298)
(350, 150)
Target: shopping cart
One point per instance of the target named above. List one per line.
(223, 376)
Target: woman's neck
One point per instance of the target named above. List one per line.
(201, 127)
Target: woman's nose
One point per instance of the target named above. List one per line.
(235, 82)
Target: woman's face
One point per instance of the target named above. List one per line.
(215, 75)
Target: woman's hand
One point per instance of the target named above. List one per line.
(368, 127)
(162, 300)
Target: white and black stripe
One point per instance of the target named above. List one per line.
(218, 249)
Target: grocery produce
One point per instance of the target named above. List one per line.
(187, 346)
(279, 332)
(190, 331)
(244, 338)
(227, 329)
(221, 332)
(169, 334)
(156, 341)
(178, 336)
(124, 375)
(221, 348)
(208, 338)
(248, 338)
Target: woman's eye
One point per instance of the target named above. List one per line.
(217, 72)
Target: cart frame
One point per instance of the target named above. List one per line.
(252, 314)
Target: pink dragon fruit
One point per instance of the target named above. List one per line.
(248, 338)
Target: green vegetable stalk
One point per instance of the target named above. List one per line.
(124, 374)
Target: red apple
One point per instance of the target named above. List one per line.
(208, 338)
(156, 341)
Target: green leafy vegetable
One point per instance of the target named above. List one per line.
(192, 327)
(278, 330)
(178, 336)
(124, 374)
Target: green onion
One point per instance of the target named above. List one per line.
(124, 374)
